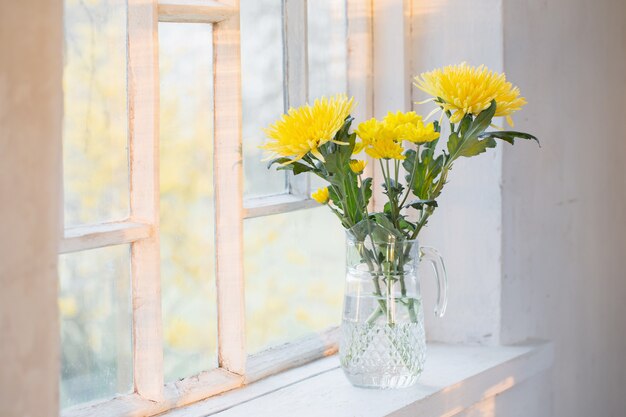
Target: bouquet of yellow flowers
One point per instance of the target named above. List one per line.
(383, 340)
(317, 139)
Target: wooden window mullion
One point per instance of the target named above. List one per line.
(296, 84)
(228, 179)
(143, 82)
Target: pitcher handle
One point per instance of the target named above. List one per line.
(432, 255)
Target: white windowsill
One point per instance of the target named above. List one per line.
(455, 377)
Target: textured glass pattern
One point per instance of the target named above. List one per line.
(187, 200)
(262, 90)
(294, 265)
(96, 316)
(379, 354)
(95, 122)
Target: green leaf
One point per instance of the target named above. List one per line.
(343, 132)
(466, 142)
(385, 223)
(277, 161)
(366, 189)
(334, 197)
(465, 124)
(296, 167)
(482, 121)
(473, 147)
(509, 136)
(454, 142)
(338, 156)
(299, 168)
(406, 225)
(353, 197)
(468, 146)
(409, 160)
(396, 188)
(426, 173)
(419, 204)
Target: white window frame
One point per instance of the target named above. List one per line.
(235, 368)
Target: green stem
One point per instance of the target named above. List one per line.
(353, 196)
(391, 194)
(396, 164)
(411, 301)
(386, 178)
(364, 255)
(442, 180)
(382, 307)
(343, 203)
(423, 219)
(391, 319)
(382, 169)
(410, 184)
(339, 216)
(449, 114)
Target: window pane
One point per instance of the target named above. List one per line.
(95, 154)
(187, 200)
(96, 317)
(262, 90)
(294, 265)
(328, 48)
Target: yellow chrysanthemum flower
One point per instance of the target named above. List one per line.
(398, 119)
(306, 128)
(321, 196)
(357, 166)
(399, 126)
(417, 133)
(381, 139)
(368, 130)
(470, 90)
(385, 146)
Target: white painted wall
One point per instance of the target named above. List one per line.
(466, 228)
(564, 207)
(30, 138)
(547, 226)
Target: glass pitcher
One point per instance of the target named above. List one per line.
(383, 344)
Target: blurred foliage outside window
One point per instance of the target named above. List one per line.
(293, 262)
